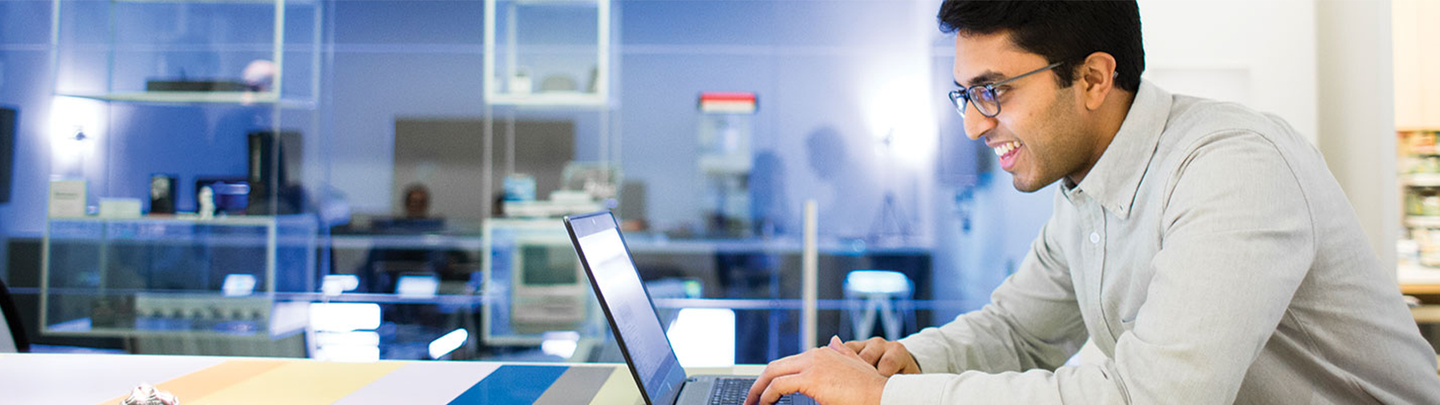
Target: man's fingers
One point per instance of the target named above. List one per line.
(778, 368)
(780, 387)
(873, 353)
(844, 351)
(890, 364)
(855, 345)
(897, 362)
(761, 383)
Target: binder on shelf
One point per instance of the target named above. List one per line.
(7, 151)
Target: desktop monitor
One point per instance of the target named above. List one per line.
(407, 226)
(599, 180)
(549, 289)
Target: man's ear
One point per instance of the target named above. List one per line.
(1097, 78)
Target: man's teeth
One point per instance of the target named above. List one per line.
(1006, 148)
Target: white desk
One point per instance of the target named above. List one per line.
(106, 379)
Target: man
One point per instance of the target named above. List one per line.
(417, 201)
(1203, 247)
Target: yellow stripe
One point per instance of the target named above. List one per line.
(620, 388)
(209, 380)
(300, 382)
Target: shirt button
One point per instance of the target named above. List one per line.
(1094, 237)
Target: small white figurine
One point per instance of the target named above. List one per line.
(146, 394)
(206, 202)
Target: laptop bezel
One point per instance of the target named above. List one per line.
(671, 385)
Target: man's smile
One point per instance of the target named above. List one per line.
(1007, 151)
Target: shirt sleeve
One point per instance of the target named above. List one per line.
(1237, 239)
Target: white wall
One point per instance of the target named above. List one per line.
(1324, 65)
(1357, 112)
(1258, 53)
(1417, 86)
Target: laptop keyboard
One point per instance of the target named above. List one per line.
(729, 391)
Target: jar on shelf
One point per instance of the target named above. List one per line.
(1417, 142)
(1429, 252)
(1430, 206)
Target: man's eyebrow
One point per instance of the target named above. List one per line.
(988, 76)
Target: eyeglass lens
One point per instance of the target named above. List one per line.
(982, 97)
(984, 100)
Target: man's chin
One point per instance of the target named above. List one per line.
(1026, 185)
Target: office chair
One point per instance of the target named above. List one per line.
(11, 316)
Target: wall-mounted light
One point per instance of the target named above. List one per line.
(75, 126)
(901, 117)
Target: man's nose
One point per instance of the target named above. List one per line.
(976, 124)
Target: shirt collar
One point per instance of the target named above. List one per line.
(1115, 178)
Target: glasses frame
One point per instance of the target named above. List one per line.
(967, 95)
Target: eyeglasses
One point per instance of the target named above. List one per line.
(983, 95)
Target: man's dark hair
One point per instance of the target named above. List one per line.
(1058, 30)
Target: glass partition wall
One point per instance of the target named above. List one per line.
(359, 180)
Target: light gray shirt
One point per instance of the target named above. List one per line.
(1213, 259)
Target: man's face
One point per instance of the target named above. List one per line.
(1038, 135)
(417, 203)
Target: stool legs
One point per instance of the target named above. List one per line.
(877, 306)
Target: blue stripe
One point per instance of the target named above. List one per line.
(512, 385)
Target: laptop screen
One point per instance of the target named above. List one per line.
(627, 305)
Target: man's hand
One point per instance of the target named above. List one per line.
(889, 358)
(829, 375)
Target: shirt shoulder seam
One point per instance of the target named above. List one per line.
(1187, 153)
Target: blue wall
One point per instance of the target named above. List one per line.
(809, 62)
(25, 82)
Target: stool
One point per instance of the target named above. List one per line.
(878, 289)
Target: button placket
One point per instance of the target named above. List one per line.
(1095, 261)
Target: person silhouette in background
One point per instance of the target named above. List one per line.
(417, 201)
(384, 265)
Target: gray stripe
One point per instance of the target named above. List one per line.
(422, 382)
(577, 386)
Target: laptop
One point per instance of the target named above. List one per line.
(637, 327)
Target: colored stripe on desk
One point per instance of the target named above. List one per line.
(620, 388)
(512, 385)
(301, 382)
(577, 386)
(442, 381)
(211, 379)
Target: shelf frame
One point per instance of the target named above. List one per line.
(492, 95)
(104, 239)
(276, 50)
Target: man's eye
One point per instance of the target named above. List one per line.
(1000, 91)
